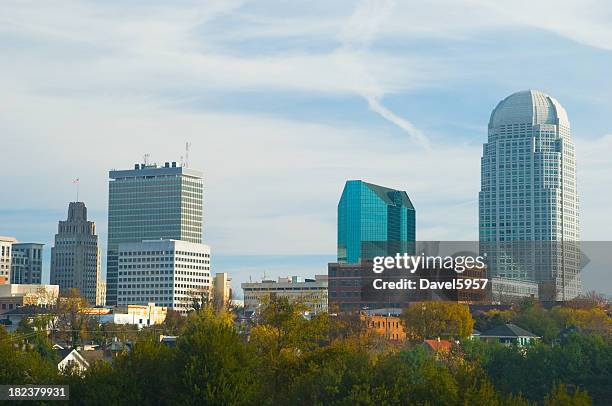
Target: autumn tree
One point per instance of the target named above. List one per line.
(562, 396)
(437, 319)
(343, 325)
(21, 363)
(589, 319)
(174, 324)
(589, 300)
(282, 335)
(71, 322)
(340, 373)
(533, 317)
(493, 318)
(215, 366)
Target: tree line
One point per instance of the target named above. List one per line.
(287, 359)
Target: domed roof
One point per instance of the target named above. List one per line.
(529, 107)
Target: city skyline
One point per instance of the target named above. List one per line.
(288, 107)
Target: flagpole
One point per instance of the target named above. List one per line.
(77, 182)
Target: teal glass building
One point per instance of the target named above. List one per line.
(151, 203)
(372, 219)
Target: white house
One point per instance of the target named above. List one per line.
(72, 359)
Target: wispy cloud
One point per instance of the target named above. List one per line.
(402, 123)
(357, 35)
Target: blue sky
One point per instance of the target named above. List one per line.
(283, 102)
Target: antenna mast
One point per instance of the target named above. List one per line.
(187, 146)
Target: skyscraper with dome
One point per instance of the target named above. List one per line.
(528, 201)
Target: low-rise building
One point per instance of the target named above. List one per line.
(506, 290)
(311, 292)
(136, 315)
(384, 323)
(12, 318)
(81, 359)
(169, 341)
(14, 295)
(508, 334)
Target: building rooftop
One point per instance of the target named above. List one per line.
(388, 195)
(151, 170)
(438, 345)
(529, 107)
(389, 311)
(290, 280)
(507, 330)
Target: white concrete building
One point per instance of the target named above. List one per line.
(170, 273)
(311, 292)
(6, 249)
(14, 295)
(529, 194)
(136, 315)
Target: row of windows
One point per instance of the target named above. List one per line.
(170, 252)
(275, 289)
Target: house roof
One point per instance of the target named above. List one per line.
(89, 357)
(93, 355)
(507, 330)
(65, 353)
(439, 346)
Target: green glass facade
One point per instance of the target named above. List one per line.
(369, 214)
(151, 203)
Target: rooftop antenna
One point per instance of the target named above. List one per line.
(187, 146)
(145, 159)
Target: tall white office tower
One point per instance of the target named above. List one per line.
(528, 202)
(151, 202)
